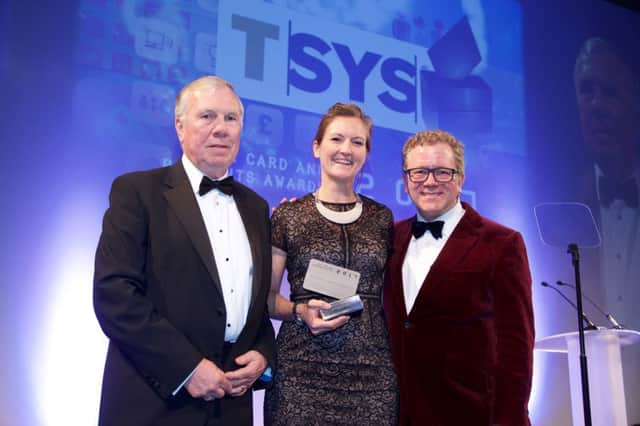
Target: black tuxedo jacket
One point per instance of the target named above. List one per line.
(157, 296)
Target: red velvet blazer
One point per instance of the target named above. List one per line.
(464, 353)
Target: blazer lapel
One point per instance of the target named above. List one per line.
(402, 244)
(181, 199)
(454, 252)
(462, 240)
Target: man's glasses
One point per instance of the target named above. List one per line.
(440, 174)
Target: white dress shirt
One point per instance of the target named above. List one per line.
(231, 250)
(620, 258)
(620, 281)
(423, 252)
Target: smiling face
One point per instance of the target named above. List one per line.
(209, 129)
(342, 150)
(432, 198)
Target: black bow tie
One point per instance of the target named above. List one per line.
(418, 228)
(225, 185)
(610, 190)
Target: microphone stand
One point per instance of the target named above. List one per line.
(575, 260)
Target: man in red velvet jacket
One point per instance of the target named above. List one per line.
(457, 300)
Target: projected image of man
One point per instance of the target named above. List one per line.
(608, 100)
(607, 95)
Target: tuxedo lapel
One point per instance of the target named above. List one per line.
(462, 240)
(454, 252)
(587, 194)
(182, 201)
(403, 232)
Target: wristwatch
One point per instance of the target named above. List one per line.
(296, 316)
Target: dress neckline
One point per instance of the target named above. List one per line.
(339, 217)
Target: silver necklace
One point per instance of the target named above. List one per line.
(341, 218)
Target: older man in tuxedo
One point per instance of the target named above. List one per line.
(182, 274)
(608, 100)
(457, 300)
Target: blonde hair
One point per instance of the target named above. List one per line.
(433, 137)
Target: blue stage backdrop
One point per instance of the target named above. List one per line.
(89, 87)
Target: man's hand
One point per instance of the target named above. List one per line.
(252, 365)
(208, 382)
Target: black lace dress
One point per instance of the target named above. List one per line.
(344, 377)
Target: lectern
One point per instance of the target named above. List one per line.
(606, 384)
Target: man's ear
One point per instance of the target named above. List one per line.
(179, 129)
(460, 182)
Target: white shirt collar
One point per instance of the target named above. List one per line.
(450, 218)
(194, 174)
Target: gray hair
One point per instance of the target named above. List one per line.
(208, 82)
(598, 46)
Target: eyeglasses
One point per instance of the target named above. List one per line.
(440, 174)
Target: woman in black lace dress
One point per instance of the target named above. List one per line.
(337, 371)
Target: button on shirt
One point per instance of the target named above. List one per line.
(423, 252)
(231, 250)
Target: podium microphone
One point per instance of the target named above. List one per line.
(586, 319)
(609, 317)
